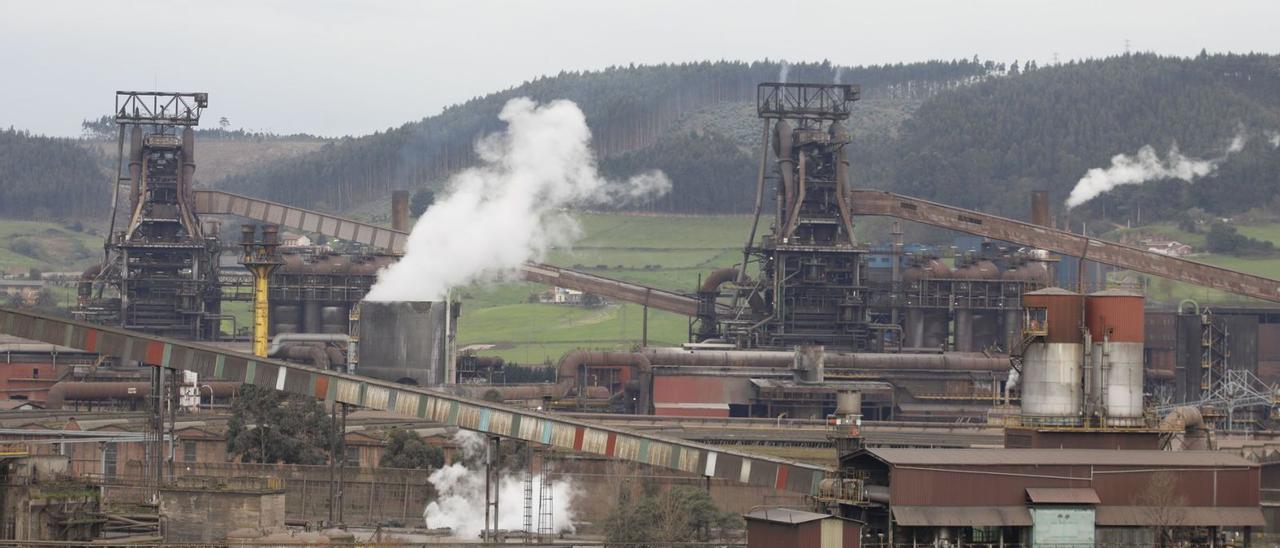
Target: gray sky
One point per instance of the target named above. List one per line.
(334, 68)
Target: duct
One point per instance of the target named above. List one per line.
(947, 361)
(1190, 423)
(75, 391)
(569, 380)
(280, 339)
(782, 148)
(877, 493)
(313, 353)
(840, 136)
(135, 166)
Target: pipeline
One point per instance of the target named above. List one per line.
(314, 354)
(281, 338)
(782, 148)
(1188, 420)
(569, 380)
(947, 361)
(89, 391)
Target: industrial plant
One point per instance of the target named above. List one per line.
(1008, 395)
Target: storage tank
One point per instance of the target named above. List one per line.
(286, 318)
(1116, 325)
(403, 341)
(1051, 375)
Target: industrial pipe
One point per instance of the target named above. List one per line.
(947, 361)
(1189, 420)
(77, 391)
(782, 147)
(282, 338)
(569, 379)
(312, 353)
(135, 168)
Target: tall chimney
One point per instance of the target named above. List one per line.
(400, 210)
(1040, 208)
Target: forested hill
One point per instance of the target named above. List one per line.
(47, 177)
(628, 109)
(987, 145)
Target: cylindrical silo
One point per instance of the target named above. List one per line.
(1051, 367)
(286, 318)
(1115, 320)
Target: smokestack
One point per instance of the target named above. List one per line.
(400, 210)
(1040, 208)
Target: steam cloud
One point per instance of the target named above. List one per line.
(784, 68)
(511, 207)
(1273, 137)
(460, 504)
(1145, 166)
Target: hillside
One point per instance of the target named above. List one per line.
(628, 109)
(987, 145)
(50, 178)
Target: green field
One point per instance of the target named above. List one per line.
(47, 246)
(669, 252)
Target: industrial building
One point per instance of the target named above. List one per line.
(1096, 398)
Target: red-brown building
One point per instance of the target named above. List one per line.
(990, 495)
(29, 368)
(787, 528)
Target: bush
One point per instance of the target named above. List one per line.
(1223, 238)
(406, 449)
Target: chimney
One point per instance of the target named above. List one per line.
(400, 210)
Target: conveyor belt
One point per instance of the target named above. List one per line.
(875, 202)
(216, 202)
(466, 413)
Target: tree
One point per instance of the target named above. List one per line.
(268, 426)
(1224, 238)
(1163, 505)
(422, 199)
(681, 514)
(406, 449)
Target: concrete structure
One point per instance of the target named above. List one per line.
(787, 528)
(40, 500)
(203, 509)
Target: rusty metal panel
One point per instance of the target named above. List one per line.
(1269, 342)
(500, 423)
(529, 429)
(593, 441)
(874, 202)
(562, 435)
(1065, 309)
(1117, 315)
(407, 403)
(468, 417)
(348, 392)
(627, 448)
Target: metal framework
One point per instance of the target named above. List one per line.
(802, 101)
(160, 107)
(481, 416)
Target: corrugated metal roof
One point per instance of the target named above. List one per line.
(951, 516)
(9, 343)
(1062, 495)
(1185, 516)
(785, 515)
(1062, 457)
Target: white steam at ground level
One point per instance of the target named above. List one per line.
(460, 502)
(511, 207)
(1145, 166)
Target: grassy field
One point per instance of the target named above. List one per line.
(669, 252)
(46, 246)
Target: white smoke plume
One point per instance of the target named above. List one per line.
(460, 501)
(784, 68)
(511, 207)
(839, 75)
(1273, 137)
(1145, 166)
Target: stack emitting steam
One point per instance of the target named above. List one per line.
(460, 495)
(510, 208)
(1145, 166)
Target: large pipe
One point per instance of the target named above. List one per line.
(569, 379)
(782, 148)
(314, 354)
(135, 167)
(76, 391)
(1190, 422)
(947, 361)
(840, 135)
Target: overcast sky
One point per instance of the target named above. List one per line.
(335, 68)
